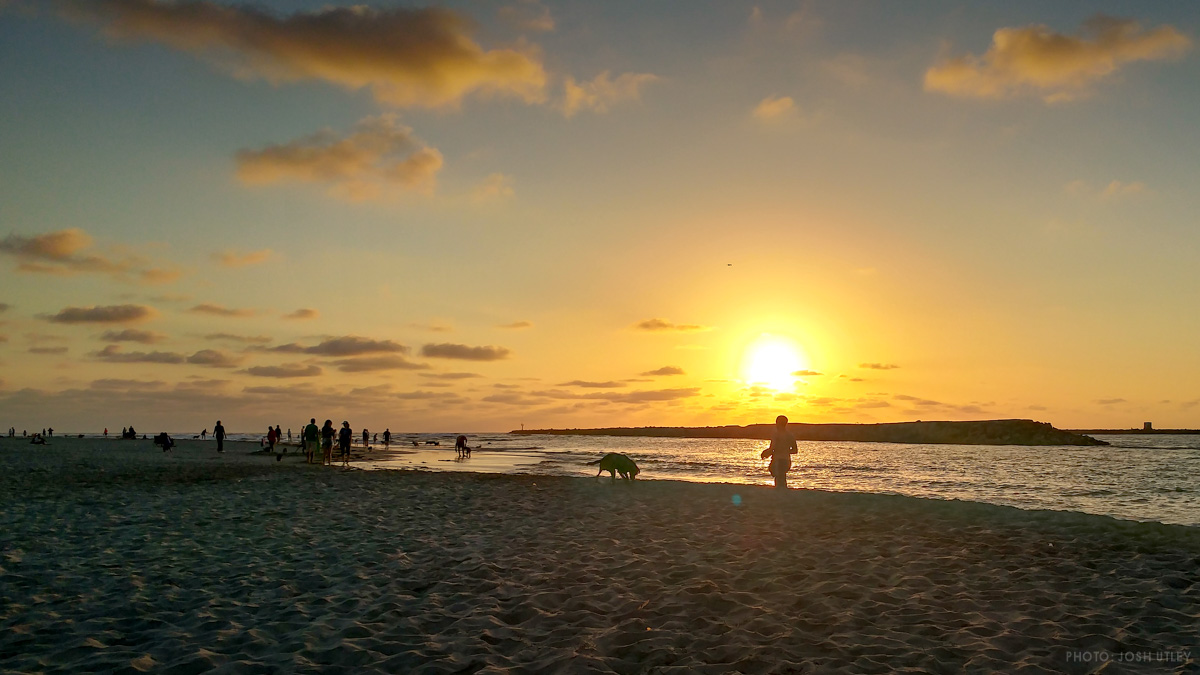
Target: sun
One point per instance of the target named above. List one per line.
(771, 360)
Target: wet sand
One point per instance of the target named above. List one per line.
(116, 557)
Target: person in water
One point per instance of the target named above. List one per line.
(783, 446)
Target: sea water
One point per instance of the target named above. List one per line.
(1137, 477)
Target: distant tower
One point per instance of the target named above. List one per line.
(1146, 426)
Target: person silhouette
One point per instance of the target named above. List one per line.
(461, 447)
(387, 438)
(783, 446)
(219, 434)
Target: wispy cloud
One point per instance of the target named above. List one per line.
(349, 345)
(220, 310)
(70, 252)
(529, 15)
(878, 366)
(146, 337)
(365, 364)
(451, 376)
(103, 314)
(447, 350)
(1114, 190)
(773, 108)
(664, 325)
(302, 314)
(378, 158)
(244, 339)
(665, 370)
(516, 325)
(234, 258)
(602, 92)
(286, 370)
(805, 373)
(406, 57)
(47, 350)
(587, 384)
(1036, 60)
(495, 187)
(205, 357)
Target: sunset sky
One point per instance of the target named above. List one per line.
(476, 215)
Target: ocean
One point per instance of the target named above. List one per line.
(1146, 477)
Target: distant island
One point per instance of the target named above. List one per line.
(985, 432)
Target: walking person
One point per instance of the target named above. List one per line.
(366, 440)
(219, 434)
(783, 446)
(387, 438)
(312, 438)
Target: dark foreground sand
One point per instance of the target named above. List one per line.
(116, 558)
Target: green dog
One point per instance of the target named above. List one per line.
(614, 463)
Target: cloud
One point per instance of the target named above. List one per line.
(665, 370)
(379, 157)
(244, 339)
(602, 92)
(113, 354)
(373, 363)
(1114, 190)
(4, 307)
(643, 396)
(592, 385)
(103, 314)
(774, 108)
(513, 398)
(285, 370)
(1035, 60)
(350, 345)
(406, 57)
(528, 15)
(213, 359)
(464, 352)
(1110, 401)
(662, 325)
(233, 258)
(63, 253)
(806, 373)
(451, 376)
(516, 325)
(878, 366)
(302, 314)
(219, 310)
(145, 337)
(495, 187)
(47, 350)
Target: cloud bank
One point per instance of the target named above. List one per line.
(65, 253)
(464, 352)
(103, 314)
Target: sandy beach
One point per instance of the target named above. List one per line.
(117, 557)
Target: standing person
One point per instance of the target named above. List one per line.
(219, 434)
(289, 434)
(51, 430)
(387, 438)
(366, 439)
(327, 434)
(345, 435)
(204, 434)
(279, 437)
(783, 446)
(312, 437)
(106, 432)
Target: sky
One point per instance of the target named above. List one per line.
(473, 216)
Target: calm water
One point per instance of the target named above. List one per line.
(1151, 477)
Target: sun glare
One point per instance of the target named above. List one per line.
(770, 361)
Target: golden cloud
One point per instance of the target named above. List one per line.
(774, 108)
(665, 370)
(145, 337)
(232, 258)
(663, 325)
(220, 310)
(406, 57)
(303, 313)
(496, 186)
(286, 370)
(378, 157)
(465, 352)
(1034, 59)
(602, 91)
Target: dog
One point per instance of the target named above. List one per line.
(614, 463)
